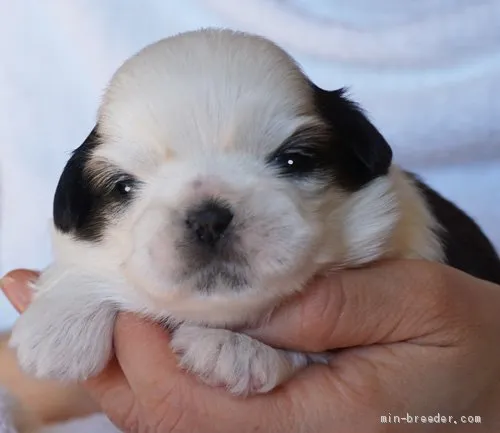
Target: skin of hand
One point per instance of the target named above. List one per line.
(413, 338)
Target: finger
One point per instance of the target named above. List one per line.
(151, 368)
(18, 287)
(111, 390)
(108, 382)
(143, 352)
(385, 303)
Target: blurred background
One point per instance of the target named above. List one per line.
(427, 72)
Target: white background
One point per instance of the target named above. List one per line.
(427, 72)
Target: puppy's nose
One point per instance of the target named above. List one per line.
(209, 221)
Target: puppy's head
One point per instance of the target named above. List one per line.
(219, 178)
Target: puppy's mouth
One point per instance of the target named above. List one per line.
(218, 277)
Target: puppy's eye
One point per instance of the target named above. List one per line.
(294, 162)
(124, 187)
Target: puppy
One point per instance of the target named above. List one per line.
(217, 181)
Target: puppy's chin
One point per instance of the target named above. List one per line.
(213, 296)
(140, 285)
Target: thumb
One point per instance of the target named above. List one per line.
(385, 303)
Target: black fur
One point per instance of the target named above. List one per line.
(80, 207)
(347, 149)
(465, 245)
(359, 152)
(311, 154)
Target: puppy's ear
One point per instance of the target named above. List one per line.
(359, 146)
(73, 199)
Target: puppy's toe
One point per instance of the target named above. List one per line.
(241, 364)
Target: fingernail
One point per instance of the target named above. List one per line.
(16, 292)
(6, 281)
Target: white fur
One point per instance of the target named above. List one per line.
(69, 331)
(240, 363)
(187, 139)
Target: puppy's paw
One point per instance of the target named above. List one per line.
(63, 339)
(241, 364)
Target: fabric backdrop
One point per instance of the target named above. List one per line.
(427, 72)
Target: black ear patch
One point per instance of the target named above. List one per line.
(361, 152)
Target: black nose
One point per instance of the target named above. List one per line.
(209, 221)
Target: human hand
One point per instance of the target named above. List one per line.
(418, 338)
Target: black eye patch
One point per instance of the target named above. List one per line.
(91, 194)
(302, 155)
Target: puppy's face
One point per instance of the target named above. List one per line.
(217, 179)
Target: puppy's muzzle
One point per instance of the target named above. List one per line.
(209, 249)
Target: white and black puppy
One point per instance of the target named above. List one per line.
(217, 181)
